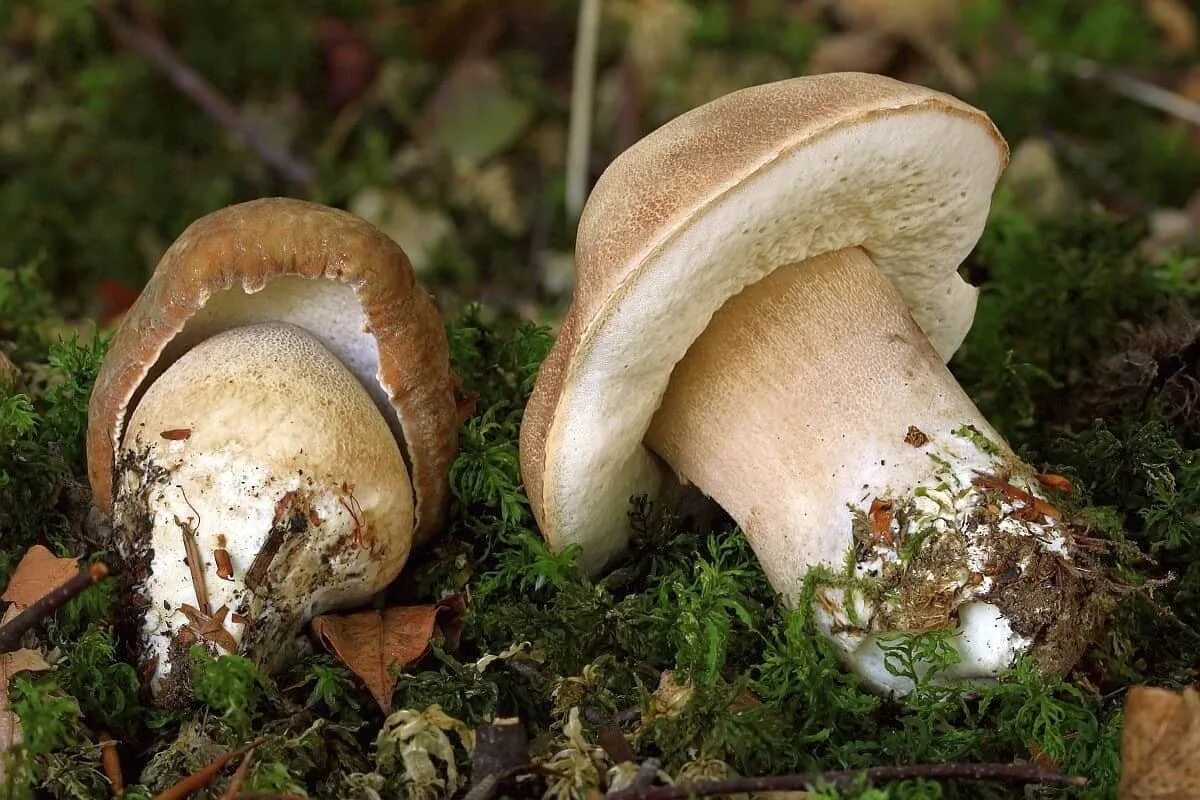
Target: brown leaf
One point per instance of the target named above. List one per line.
(911, 19)
(349, 59)
(1059, 483)
(23, 660)
(376, 644)
(39, 573)
(1176, 25)
(1034, 506)
(853, 51)
(113, 299)
(1160, 745)
(500, 747)
(915, 437)
(881, 521)
(211, 628)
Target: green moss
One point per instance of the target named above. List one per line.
(42, 444)
(106, 687)
(1031, 344)
(232, 688)
(95, 131)
(973, 435)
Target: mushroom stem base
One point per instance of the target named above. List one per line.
(815, 411)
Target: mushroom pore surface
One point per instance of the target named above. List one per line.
(816, 412)
(259, 453)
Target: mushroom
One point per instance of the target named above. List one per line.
(767, 297)
(271, 430)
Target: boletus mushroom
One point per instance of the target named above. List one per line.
(271, 430)
(767, 295)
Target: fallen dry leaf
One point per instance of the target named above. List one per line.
(1059, 483)
(349, 58)
(1033, 505)
(926, 25)
(881, 521)
(113, 299)
(211, 628)
(1160, 745)
(916, 18)
(1176, 25)
(376, 644)
(39, 573)
(853, 51)
(23, 660)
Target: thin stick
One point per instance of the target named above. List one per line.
(239, 777)
(195, 562)
(489, 787)
(190, 84)
(10, 634)
(205, 775)
(110, 761)
(583, 85)
(1138, 90)
(1009, 773)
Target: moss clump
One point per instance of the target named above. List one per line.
(541, 639)
(1083, 355)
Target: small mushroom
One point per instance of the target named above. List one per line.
(271, 430)
(767, 297)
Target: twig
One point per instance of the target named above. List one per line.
(202, 777)
(615, 744)
(110, 761)
(1138, 90)
(257, 574)
(1009, 773)
(489, 787)
(647, 772)
(194, 561)
(38, 612)
(239, 777)
(154, 49)
(583, 86)
(499, 747)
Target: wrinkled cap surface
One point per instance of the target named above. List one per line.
(712, 202)
(321, 269)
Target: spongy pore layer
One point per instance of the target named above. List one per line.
(326, 310)
(910, 185)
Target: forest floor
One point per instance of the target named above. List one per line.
(445, 124)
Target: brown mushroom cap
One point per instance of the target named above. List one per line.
(712, 202)
(322, 269)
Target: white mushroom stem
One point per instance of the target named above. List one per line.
(813, 395)
(259, 454)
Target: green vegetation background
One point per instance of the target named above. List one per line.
(445, 124)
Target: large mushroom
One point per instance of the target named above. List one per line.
(767, 297)
(271, 430)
